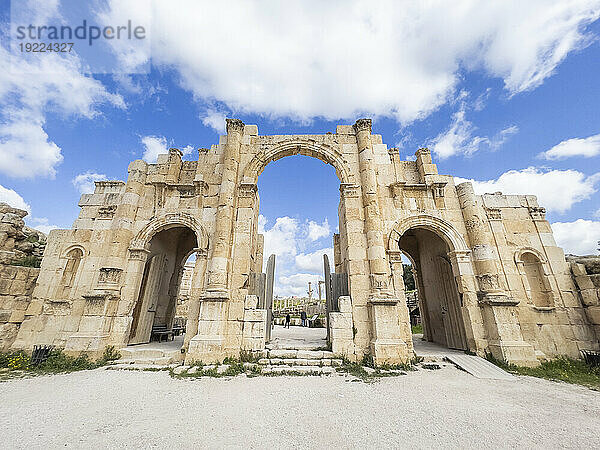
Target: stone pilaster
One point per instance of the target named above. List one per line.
(505, 339)
(217, 272)
(386, 343)
(379, 273)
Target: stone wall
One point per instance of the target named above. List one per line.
(586, 273)
(18, 244)
(18, 241)
(16, 286)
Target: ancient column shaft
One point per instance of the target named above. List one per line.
(480, 239)
(373, 223)
(217, 276)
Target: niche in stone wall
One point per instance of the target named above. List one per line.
(70, 272)
(535, 279)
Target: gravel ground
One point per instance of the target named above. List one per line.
(446, 407)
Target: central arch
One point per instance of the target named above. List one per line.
(323, 152)
(250, 177)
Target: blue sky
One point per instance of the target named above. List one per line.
(504, 94)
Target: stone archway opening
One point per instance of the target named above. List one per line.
(298, 197)
(155, 309)
(439, 299)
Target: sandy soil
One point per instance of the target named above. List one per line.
(447, 407)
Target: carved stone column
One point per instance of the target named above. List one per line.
(500, 318)
(397, 269)
(196, 288)
(379, 272)
(388, 338)
(210, 343)
(217, 274)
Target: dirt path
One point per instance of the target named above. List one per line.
(447, 407)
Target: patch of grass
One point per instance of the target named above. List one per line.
(236, 366)
(248, 356)
(574, 371)
(359, 370)
(110, 354)
(19, 363)
(417, 329)
(28, 261)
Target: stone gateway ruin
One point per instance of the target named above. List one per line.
(490, 276)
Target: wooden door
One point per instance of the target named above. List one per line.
(451, 308)
(147, 301)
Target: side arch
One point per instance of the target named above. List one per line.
(142, 239)
(444, 229)
(324, 152)
(520, 252)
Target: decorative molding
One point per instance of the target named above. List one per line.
(138, 254)
(439, 189)
(247, 190)
(460, 256)
(234, 125)
(488, 282)
(394, 256)
(186, 191)
(498, 300)
(349, 190)
(107, 212)
(537, 213)
(362, 125)
(494, 213)
(435, 224)
(110, 275)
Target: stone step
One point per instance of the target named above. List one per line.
(299, 354)
(133, 352)
(323, 362)
(159, 361)
(295, 370)
(149, 366)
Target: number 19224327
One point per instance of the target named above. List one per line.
(42, 47)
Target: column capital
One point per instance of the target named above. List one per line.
(234, 125)
(394, 256)
(362, 124)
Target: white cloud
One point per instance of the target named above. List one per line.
(157, 145)
(299, 259)
(297, 285)
(31, 87)
(154, 146)
(84, 182)
(341, 59)
(579, 238)
(459, 137)
(556, 190)
(215, 120)
(41, 224)
(317, 231)
(13, 199)
(281, 239)
(313, 262)
(187, 150)
(587, 148)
